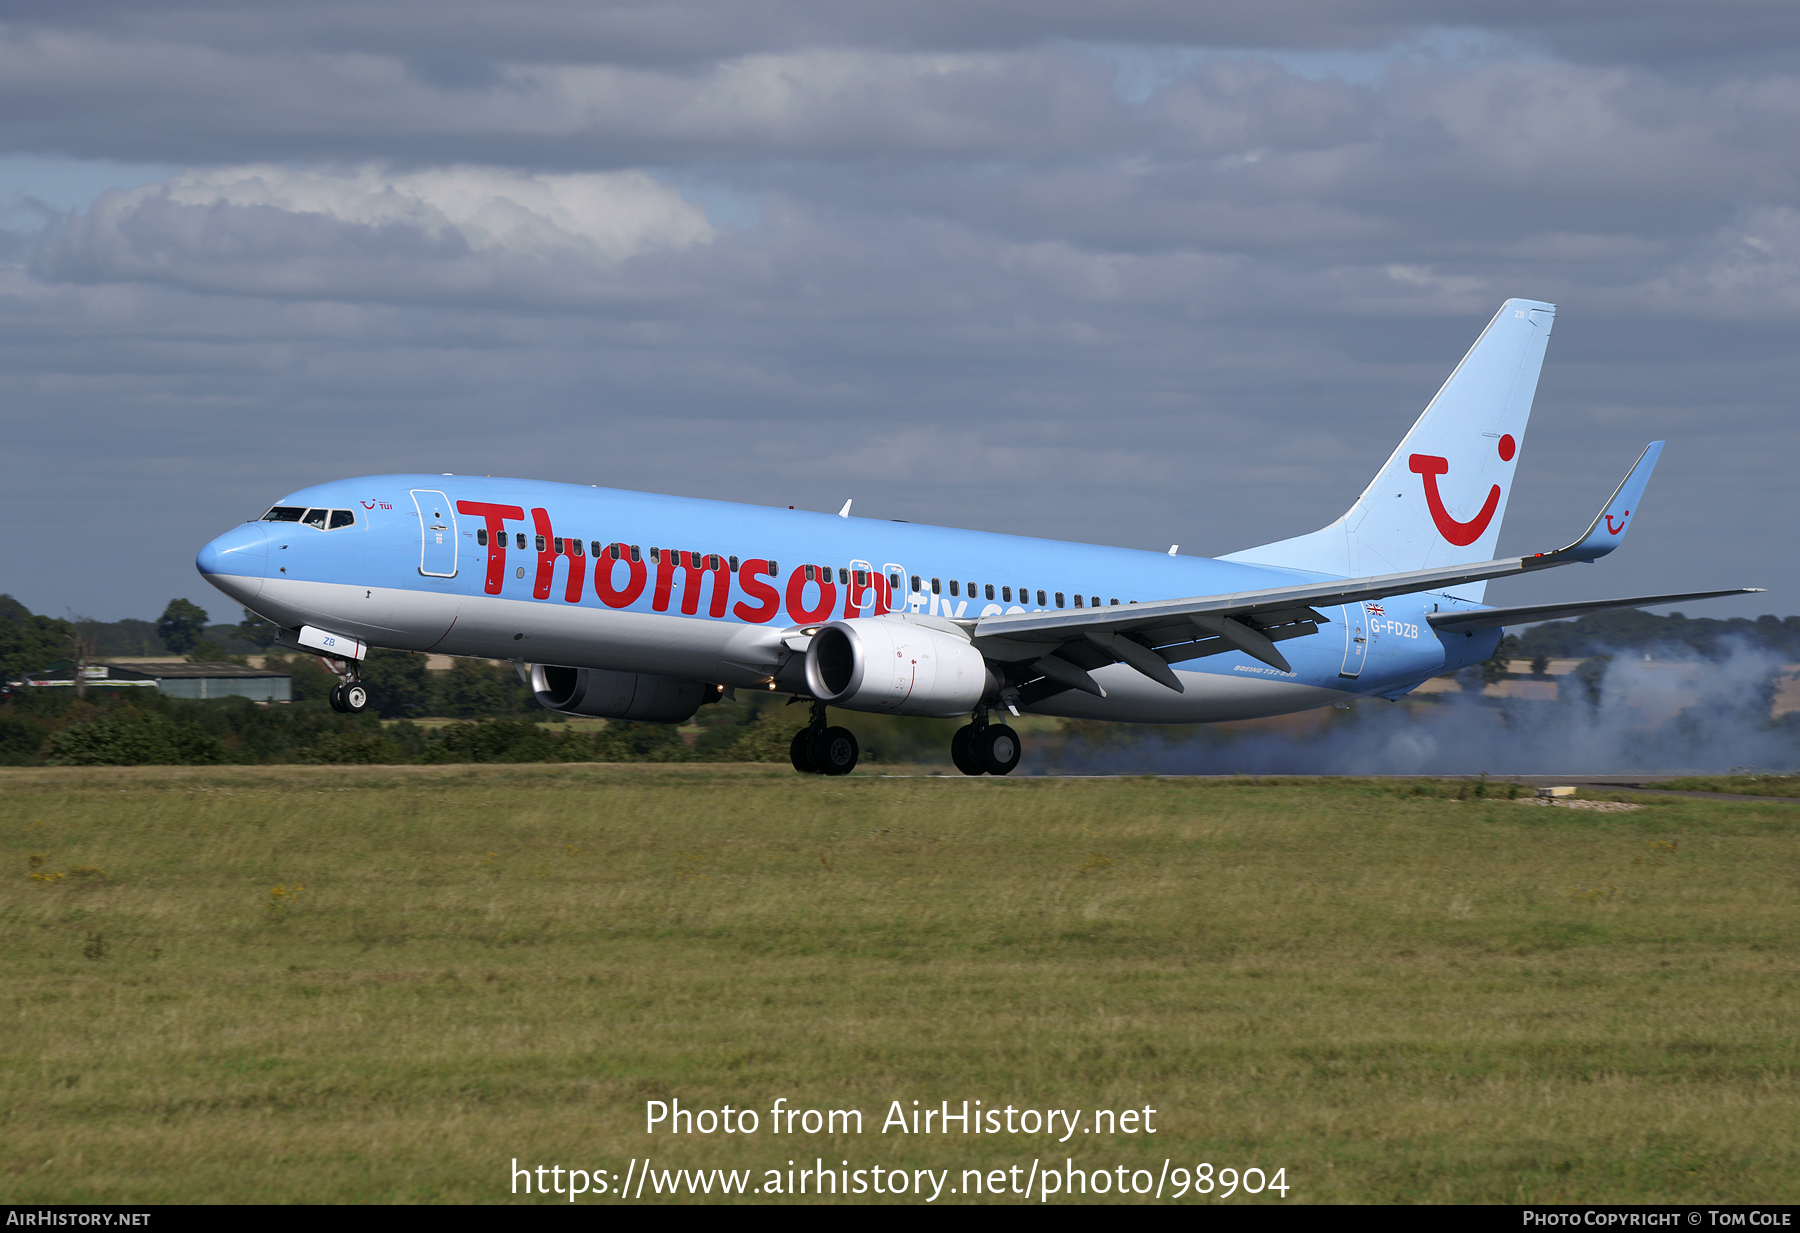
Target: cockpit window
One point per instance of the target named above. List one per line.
(341, 518)
(316, 518)
(284, 513)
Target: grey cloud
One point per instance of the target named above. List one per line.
(982, 288)
(92, 97)
(688, 31)
(1597, 130)
(456, 235)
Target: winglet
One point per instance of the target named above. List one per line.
(1608, 530)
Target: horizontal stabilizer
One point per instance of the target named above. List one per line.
(1489, 618)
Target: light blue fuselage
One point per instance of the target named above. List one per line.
(392, 580)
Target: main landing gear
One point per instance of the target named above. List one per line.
(349, 695)
(978, 748)
(981, 748)
(819, 750)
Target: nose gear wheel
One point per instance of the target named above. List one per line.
(350, 695)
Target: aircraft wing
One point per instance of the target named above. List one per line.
(1064, 647)
(1488, 618)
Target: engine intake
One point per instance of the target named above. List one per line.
(895, 667)
(617, 695)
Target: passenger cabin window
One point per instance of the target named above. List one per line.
(953, 589)
(575, 546)
(1113, 603)
(862, 577)
(540, 543)
(1059, 599)
(971, 587)
(734, 564)
(1006, 594)
(481, 536)
(989, 591)
(915, 584)
(810, 574)
(634, 553)
(937, 588)
(284, 513)
(521, 538)
(316, 518)
(341, 518)
(558, 541)
(1077, 601)
(894, 582)
(1096, 602)
(843, 576)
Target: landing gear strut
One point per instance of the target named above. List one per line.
(349, 695)
(819, 750)
(981, 748)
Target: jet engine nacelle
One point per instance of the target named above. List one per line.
(895, 667)
(617, 695)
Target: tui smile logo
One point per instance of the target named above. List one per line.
(1610, 528)
(1462, 534)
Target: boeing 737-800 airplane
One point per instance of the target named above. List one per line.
(631, 606)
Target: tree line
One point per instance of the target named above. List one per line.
(494, 717)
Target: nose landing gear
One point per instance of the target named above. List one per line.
(981, 748)
(349, 695)
(819, 750)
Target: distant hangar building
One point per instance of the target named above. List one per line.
(177, 680)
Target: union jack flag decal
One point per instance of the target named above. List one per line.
(1376, 610)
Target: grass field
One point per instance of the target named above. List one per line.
(1743, 785)
(1390, 993)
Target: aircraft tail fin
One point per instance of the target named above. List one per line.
(1441, 496)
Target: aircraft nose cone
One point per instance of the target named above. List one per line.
(237, 560)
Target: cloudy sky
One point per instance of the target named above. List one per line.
(1136, 273)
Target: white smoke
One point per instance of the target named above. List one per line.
(1712, 717)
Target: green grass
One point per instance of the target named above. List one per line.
(1393, 994)
(1742, 785)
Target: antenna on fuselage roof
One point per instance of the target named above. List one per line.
(845, 512)
(1172, 548)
